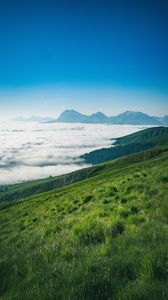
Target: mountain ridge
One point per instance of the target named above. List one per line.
(127, 117)
(32, 119)
(73, 116)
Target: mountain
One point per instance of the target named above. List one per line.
(163, 120)
(98, 117)
(103, 237)
(128, 117)
(72, 116)
(134, 118)
(133, 143)
(33, 119)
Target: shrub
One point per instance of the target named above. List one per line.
(144, 174)
(123, 200)
(163, 178)
(136, 219)
(87, 198)
(106, 201)
(72, 209)
(111, 191)
(134, 209)
(34, 219)
(90, 232)
(76, 201)
(130, 188)
(118, 228)
(124, 213)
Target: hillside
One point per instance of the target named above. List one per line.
(24, 190)
(133, 143)
(104, 237)
(150, 134)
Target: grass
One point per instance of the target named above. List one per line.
(102, 238)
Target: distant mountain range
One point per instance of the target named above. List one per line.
(33, 119)
(128, 117)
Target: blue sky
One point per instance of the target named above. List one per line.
(88, 55)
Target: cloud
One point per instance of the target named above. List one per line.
(31, 151)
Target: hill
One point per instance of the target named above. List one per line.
(128, 117)
(104, 237)
(153, 134)
(133, 143)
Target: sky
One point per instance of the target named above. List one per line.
(108, 56)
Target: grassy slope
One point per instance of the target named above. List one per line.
(133, 143)
(102, 238)
(24, 190)
(151, 134)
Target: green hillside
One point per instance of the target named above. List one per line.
(133, 143)
(154, 134)
(101, 238)
(27, 189)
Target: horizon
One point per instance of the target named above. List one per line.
(52, 101)
(80, 112)
(92, 56)
(55, 117)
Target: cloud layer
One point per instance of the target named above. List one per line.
(30, 150)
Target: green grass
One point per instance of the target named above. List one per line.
(103, 236)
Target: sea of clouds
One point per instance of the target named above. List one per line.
(37, 150)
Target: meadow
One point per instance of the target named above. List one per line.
(102, 238)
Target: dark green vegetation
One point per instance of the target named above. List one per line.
(103, 238)
(133, 143)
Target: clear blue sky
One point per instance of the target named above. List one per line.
(89, 55)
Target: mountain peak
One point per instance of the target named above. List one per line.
(71, 116)
(99, 113)
(68, 111)
(135, 118)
